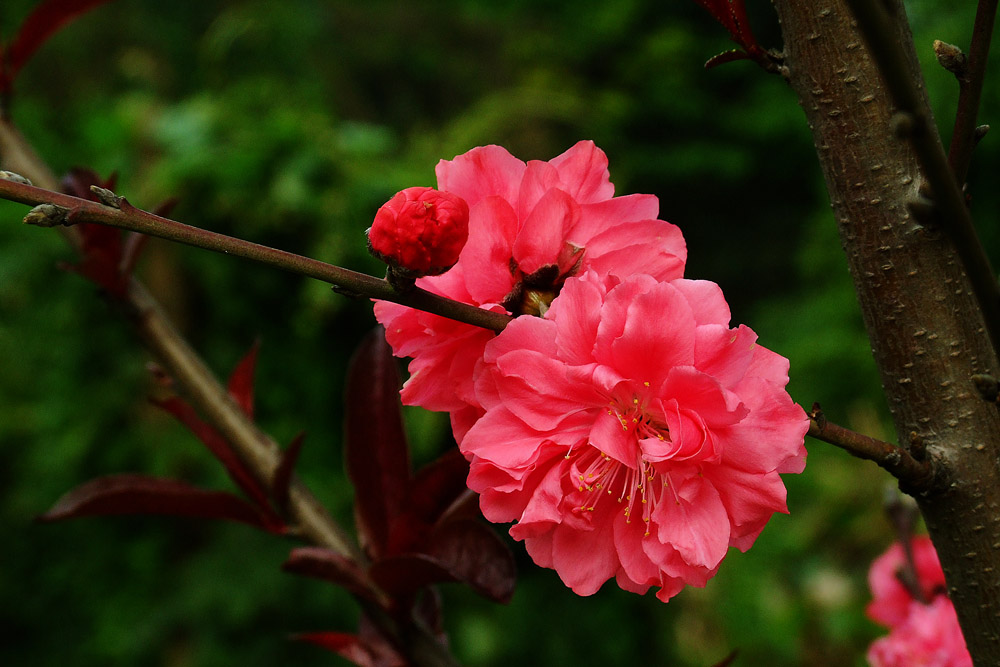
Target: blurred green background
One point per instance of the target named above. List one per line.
(289, 123)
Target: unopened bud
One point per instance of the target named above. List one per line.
(15, 178)
(951, 58)
(420, 232)
(47, 215)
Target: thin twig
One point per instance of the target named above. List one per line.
(915, 474)
(915, 119)
(126, 216)
(970, 88)
(312, 521)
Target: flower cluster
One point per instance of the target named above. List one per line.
(619, 420)
(909, 598)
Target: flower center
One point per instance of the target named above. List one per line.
(598, 475)
(534, 292)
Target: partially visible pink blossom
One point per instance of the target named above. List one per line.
(631, 433)
(532, 226)
(928, 636)
(890, 597)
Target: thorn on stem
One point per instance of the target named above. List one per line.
(47, 215)
(951, 58)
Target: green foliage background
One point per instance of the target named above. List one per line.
(289, 123)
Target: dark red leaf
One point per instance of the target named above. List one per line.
(142, 494)
(732, 15)
(473, 553)
(435, 488)
(218, 445)
(241, 380)
(44, 21)
(328, 565)
(402, 576)
(365, 652)
(283, 473)
(375, 448)
(103, 257)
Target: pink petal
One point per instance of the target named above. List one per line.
(769, 366)
(771, 436)
(750, 500)
(524, 333)
(543, 234)
(539, 178)
(694, 521)
(540, 549)
(584, 560)
(607, 215)
(487, 254)
(628, 538)
(503, 439)
(707, 302)
(658, 334)
(611, 438)
(724, 353)
(482, 172)
(543, 511)
(614, 315)
(583, 170)
(699, 393)
(653, 247)
(543, 391)
(577, 314)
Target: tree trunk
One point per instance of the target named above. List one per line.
(926, 330)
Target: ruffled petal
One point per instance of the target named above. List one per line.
(658, 335)
(543, 234)
(693, 521)
(583, 170)
(584, 560)
(606, 215)
(485, 171)
(487, 255)
(652, 247)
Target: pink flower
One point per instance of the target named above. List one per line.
(632, 434)
(531, 227)
(420, 230)
(890, 597)
(929, 636)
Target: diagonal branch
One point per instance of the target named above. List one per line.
(914, 121)
(310, 518)
(914, 474)
(117, 212)
(970, 88)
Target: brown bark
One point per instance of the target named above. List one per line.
(927, 332)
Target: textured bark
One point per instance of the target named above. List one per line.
(926, 330)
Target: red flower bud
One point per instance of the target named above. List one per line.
(420, 231)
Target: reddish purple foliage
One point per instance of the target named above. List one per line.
(732, 15)
(44, 21)
(142, 494)
(375, 448)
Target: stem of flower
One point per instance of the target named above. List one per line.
(119, 213)
(970, 88)
(900, 463)
(312, 521)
